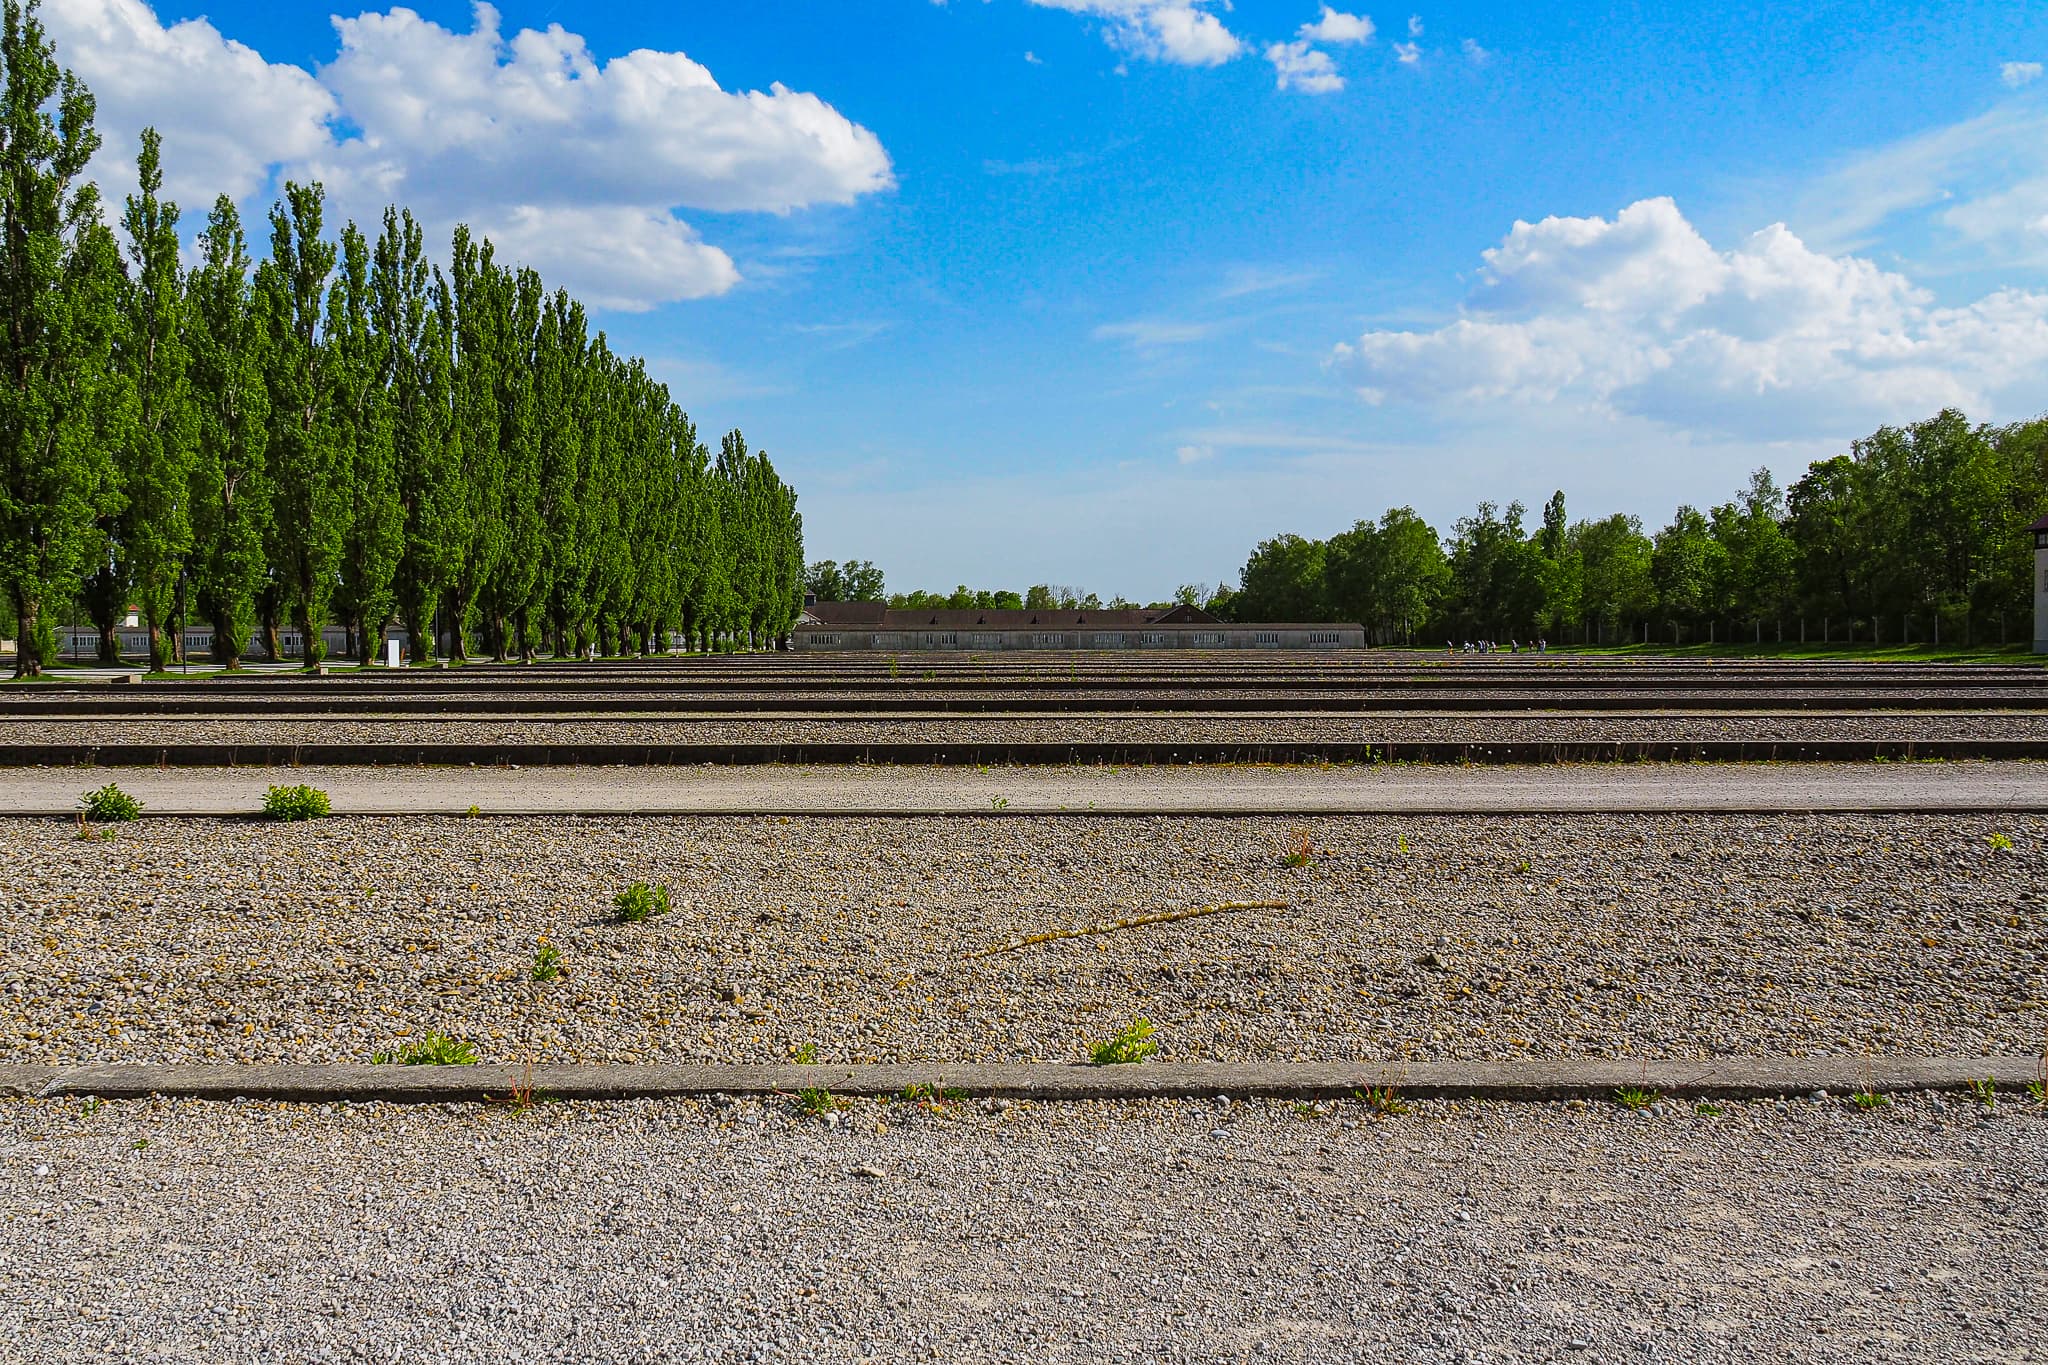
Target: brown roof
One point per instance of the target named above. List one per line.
(2041, 525)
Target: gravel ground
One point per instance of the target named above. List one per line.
(1473, 937)
(1801, 1231)
(1057, 729)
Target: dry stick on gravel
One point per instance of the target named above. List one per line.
(1135, 922)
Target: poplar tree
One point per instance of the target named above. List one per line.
(482, 296)
(59, 315)
(306, 469)
(413, 322)
(156, 525)
(359, 377)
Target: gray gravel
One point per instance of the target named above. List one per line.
(1475, 937)
(1165, 1232)
(1468, 727)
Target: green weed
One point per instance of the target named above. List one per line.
(640, 902)
(295, 803)
(1708, 1109)
(1383, 1100)
(108, 806)
(1999, 843)
(817, 1101)
(1301, 849)
(999, 803)
(1985, 1092)
(1134, 1044)
(547, 961)
(1867, 1099)
(436, 1049)
(1635, 1098)
(804, 1054)
(933, 1097)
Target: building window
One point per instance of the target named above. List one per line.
(1051, 641)
(1265, 637)
(1325, 637)
(1208, 639)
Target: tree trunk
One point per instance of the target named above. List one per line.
(28, 660)
(159, 647)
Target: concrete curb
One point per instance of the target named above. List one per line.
(1589, 1079)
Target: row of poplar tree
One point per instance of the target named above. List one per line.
(1919, 531)
(341, 432)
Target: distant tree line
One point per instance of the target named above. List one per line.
(341, 432)
(1919, 528)
(858, 580)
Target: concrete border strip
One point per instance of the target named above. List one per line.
(1531, 1080)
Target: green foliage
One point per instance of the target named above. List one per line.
(640, 902)
(547, 962)
(1868, 1099)
(436, 1049)
(109, 805)
(805, 1054)
(1708, 1109)
(1999, 843)
(1300, 850)
(933, 1097)
(1985, 1092)
(816, 1101)
(1634, 1097)
(295, 803)
(1383, 1100)
(1133, 1044)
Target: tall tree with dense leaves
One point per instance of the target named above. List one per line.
(1282, 581)
(306, 464)
(510, 588)
(414, 315)
(358, 374)
(230, 493)
(60, 283)
(1616, 588)
(1686, 565)
(156, 473)
(483, 296)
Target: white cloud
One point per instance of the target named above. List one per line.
(1474, 53)
(1414, 26)
(572, 164)
(226, 114)
(1297, 66)
(1641, 316)
(1177, 31)
(1408, 53)
(1335, 26)
(2017, 74)
(1146, 333)
(1194, 454)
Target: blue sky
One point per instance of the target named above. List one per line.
(1101, 292)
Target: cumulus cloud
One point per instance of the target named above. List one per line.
(1641, 315)
(2017, 74)
(1177, 31)
(227, 115)
(1335, 26)
(572, 164)
(1474, 53)
(1297, 66)
(1408, 53)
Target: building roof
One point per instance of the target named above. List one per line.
(874, 615)
(2041, 525)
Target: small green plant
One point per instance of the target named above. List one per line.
(817, 1101)
(472, 813)
(999, 803)
(1708, 1109)
(933, 1097)
(436, 1049)
(1383, 1100)
(1999, 843)
(1985, 1092)
(1400, 843)
(1301, 849)
(109, 806)
(640, 902)
(295, 803)
(1635, 1098)
(1522, 867)
(1868, 1099)
(547, 961)
(1134, 1044)
(804, 1054)
(141, 1144)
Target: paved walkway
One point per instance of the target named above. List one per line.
(1051, 790)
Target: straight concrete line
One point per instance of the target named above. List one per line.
(1727, 1078)
(1191, 811)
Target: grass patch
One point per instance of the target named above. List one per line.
(1134, 1044)
(639, 903)
(804, 1054)
(1985, 1092)
(295, 803)
(109, 805)
(1868, 1099)
(816, 1101)
(1708, 1109)
(1999, 843)
(436, 1049)
(547, 961)
(1636, 1098)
